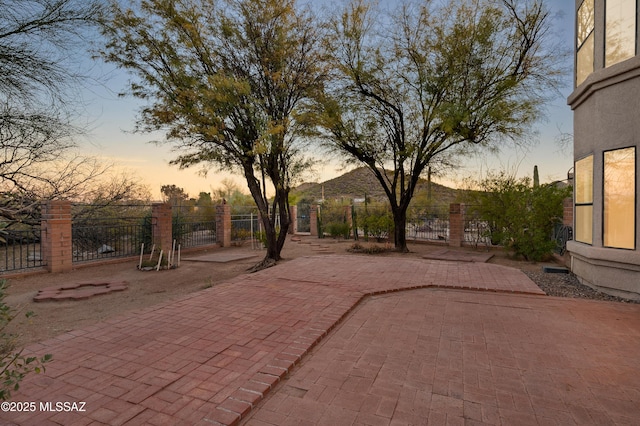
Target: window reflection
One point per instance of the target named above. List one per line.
(620, 30)
(585, 21)
(584, 200)
(619, 198)
(585, 41)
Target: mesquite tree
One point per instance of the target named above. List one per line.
(228, 82)
(425, 84)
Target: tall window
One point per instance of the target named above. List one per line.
(585, 41)
(619, 198)
(620, 30)
(584, 200)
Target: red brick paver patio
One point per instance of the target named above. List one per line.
(440, 353)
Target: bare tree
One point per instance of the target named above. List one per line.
(426, 84)
(38, 39)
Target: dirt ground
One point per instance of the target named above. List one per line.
(147, 288)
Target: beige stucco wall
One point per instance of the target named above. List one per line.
(607, 116)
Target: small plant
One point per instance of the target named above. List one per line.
(208, 283)
(13, 365)
(371, 249)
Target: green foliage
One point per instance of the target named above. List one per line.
(338, 229)
(421, 86)
(13, 365)
(370, 249)
(333, 218)
(521, 216)
(229, 82)
(376, 220)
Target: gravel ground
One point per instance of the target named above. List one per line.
(567, 285)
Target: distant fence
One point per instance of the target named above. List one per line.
(109, 232)
(428, 223)
(72, 234)
(193, 226)
(245, 227)
(21, 249)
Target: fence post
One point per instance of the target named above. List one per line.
(223, 225)
(348, 212)
(567, 217)
(313, 220)
(456, 225)
(162, 232)
(56, 242)
(293, 224)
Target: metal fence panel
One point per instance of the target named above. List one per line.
(20, 249)
(109, 241)
(109, 231)
(428, 224)
(194, 234)
(244, 227)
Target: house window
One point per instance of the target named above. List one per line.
(620, 30)
(585, 41)
(619, 198)
(584, 200)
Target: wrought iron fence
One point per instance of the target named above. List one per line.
(193, 233)
(109, 231)
(194, 226)
(244, 227)
(92, 242)
(561, 234)
(304, 217)
(428, 224)
(477, 230)
(20, 249)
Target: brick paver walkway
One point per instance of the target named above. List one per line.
(212, 356)
(453, 358)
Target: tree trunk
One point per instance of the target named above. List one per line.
(400, 229)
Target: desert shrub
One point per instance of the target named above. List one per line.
(521, 216)
(377, 222)
(370, 249)
(338, 229)
(333, 220)
(14, 366)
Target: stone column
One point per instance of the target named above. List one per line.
(348, 211)
(56, 236)
(456, 225)
(293, 225)
(567, 217)
(162, 232)
(313, 220)
(223, 225)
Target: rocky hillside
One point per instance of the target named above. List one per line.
(356, 183)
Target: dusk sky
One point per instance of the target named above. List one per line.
(112, 119)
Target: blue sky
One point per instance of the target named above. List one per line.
(112, 120)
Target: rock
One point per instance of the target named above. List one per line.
(106, 249)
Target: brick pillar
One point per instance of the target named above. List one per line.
(456, 225)
(313, 220)
(223, 225)
(56, 236)
(348, 211)
(161, 226)
(293, 214)
(567, 217)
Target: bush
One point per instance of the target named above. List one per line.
(338, 230)
(376, 221)
(521, 216)
(13, 365)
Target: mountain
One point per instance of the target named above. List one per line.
(361, 181)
